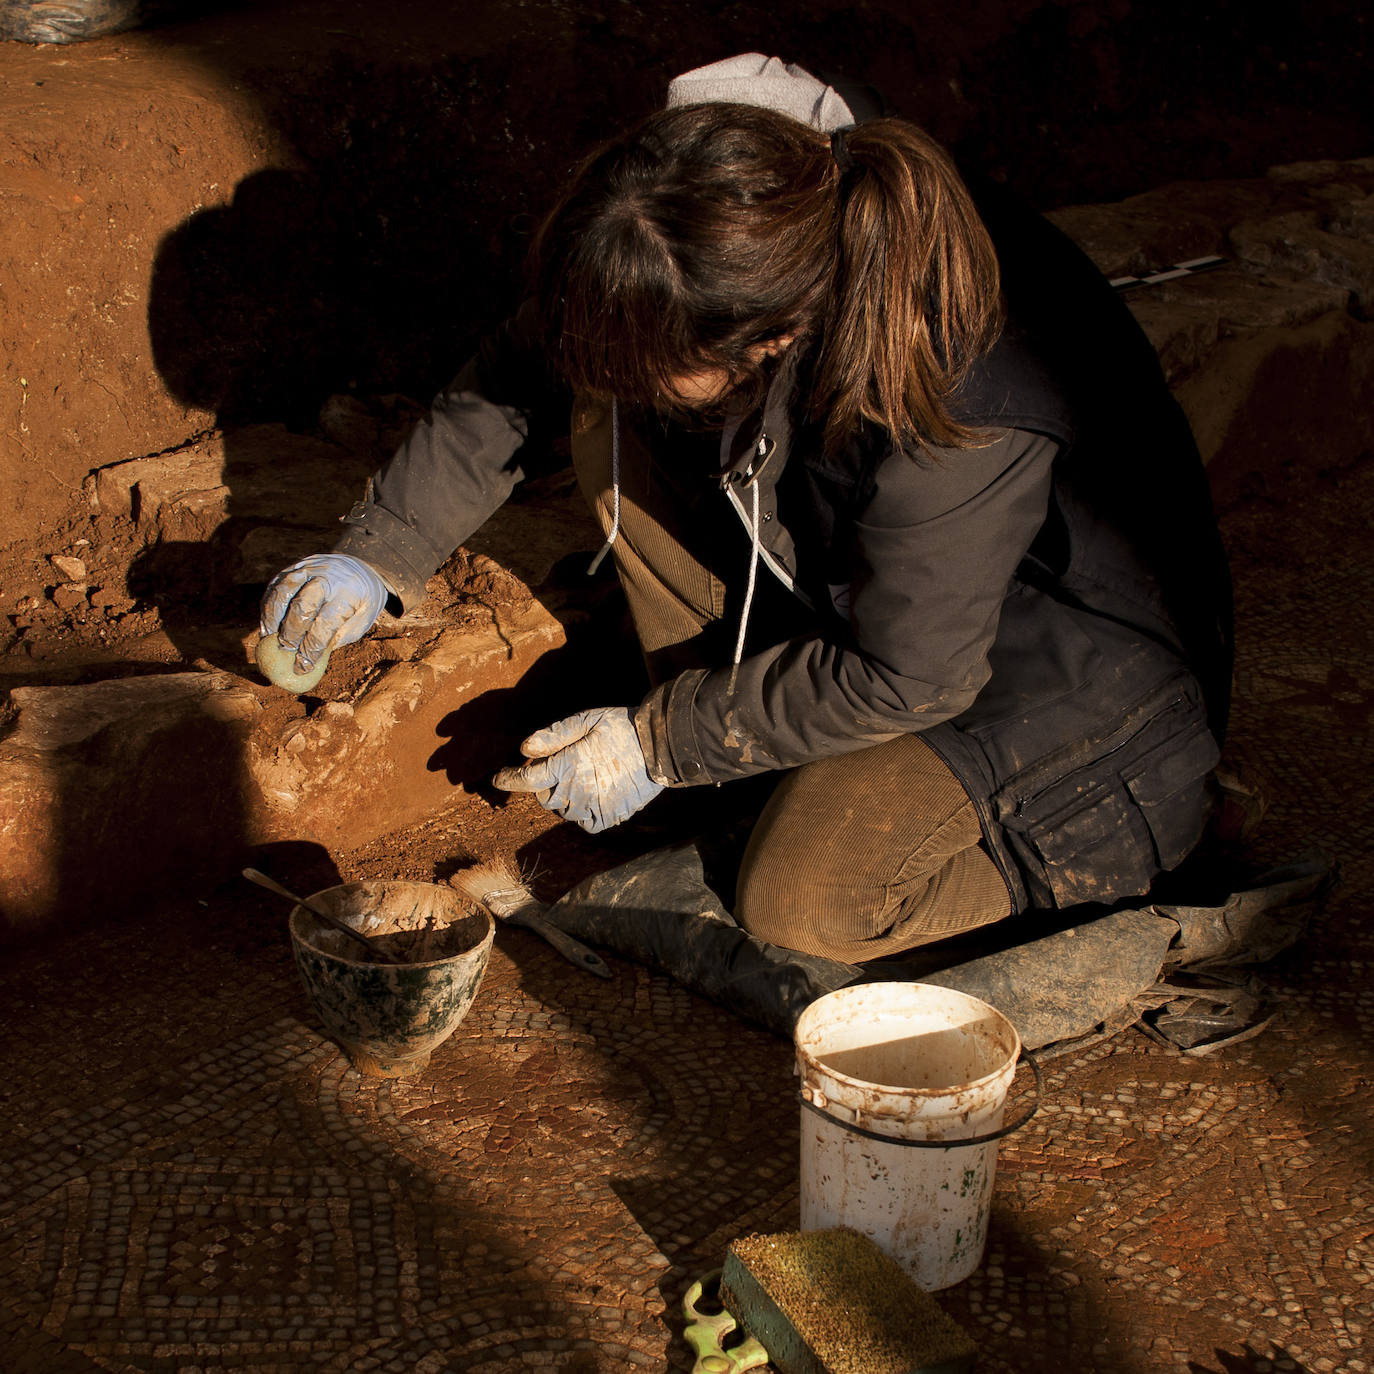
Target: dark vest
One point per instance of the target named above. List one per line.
(1088, 751)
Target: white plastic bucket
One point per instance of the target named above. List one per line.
(906, 1062)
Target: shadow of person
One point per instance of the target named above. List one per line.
(252, 311)
(250, 317)
(598, 665)
(1250, 1360)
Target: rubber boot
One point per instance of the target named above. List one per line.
(1076, 981)
(659, 910)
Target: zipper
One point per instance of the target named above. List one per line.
(1133, 728)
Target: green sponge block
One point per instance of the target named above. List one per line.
(831, 1302)
(279, 666)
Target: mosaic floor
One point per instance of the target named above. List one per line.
(195, 1180)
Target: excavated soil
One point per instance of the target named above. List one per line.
(368, 180)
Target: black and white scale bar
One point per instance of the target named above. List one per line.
(1180, 269)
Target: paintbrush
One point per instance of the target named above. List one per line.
(498, 888)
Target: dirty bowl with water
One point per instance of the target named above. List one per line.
(389, 1017)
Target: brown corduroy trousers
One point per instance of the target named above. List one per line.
(854, 856)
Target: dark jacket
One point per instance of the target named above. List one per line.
(1050, 611)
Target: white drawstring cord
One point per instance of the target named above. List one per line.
(615, 489)
(749, 587)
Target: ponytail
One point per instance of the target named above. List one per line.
(915, 296)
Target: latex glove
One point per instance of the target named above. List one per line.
(322, 602)
(589, 769)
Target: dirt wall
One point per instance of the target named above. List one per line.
(231, 219)
(102, 152)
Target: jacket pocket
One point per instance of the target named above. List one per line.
(1170, 787)
(1134, 806)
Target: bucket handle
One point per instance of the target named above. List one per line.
(1025, 1056)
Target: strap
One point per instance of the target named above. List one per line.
(839, 150)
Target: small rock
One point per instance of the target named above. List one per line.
(111, 599)
(73, 569)
(69, 596)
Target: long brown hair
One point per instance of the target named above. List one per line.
(710, 231)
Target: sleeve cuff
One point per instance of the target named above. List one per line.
(663, 722)
(401, 557)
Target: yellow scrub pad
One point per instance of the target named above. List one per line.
(831, 1302)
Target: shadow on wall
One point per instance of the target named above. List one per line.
(368, 271)
(393, 246)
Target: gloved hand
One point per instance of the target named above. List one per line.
(322, 602)
(589, 769)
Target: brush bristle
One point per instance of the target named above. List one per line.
(498, 886)
(495, 876)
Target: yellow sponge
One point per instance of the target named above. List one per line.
(831, 1302)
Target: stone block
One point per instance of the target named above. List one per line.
(1186, 319)
(116, 788)
(1304, 245)
(140, 487)
(353, 771)
(1172, 224)
(1264, 351)
(257, 474)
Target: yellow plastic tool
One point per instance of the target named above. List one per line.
(706, 1333)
